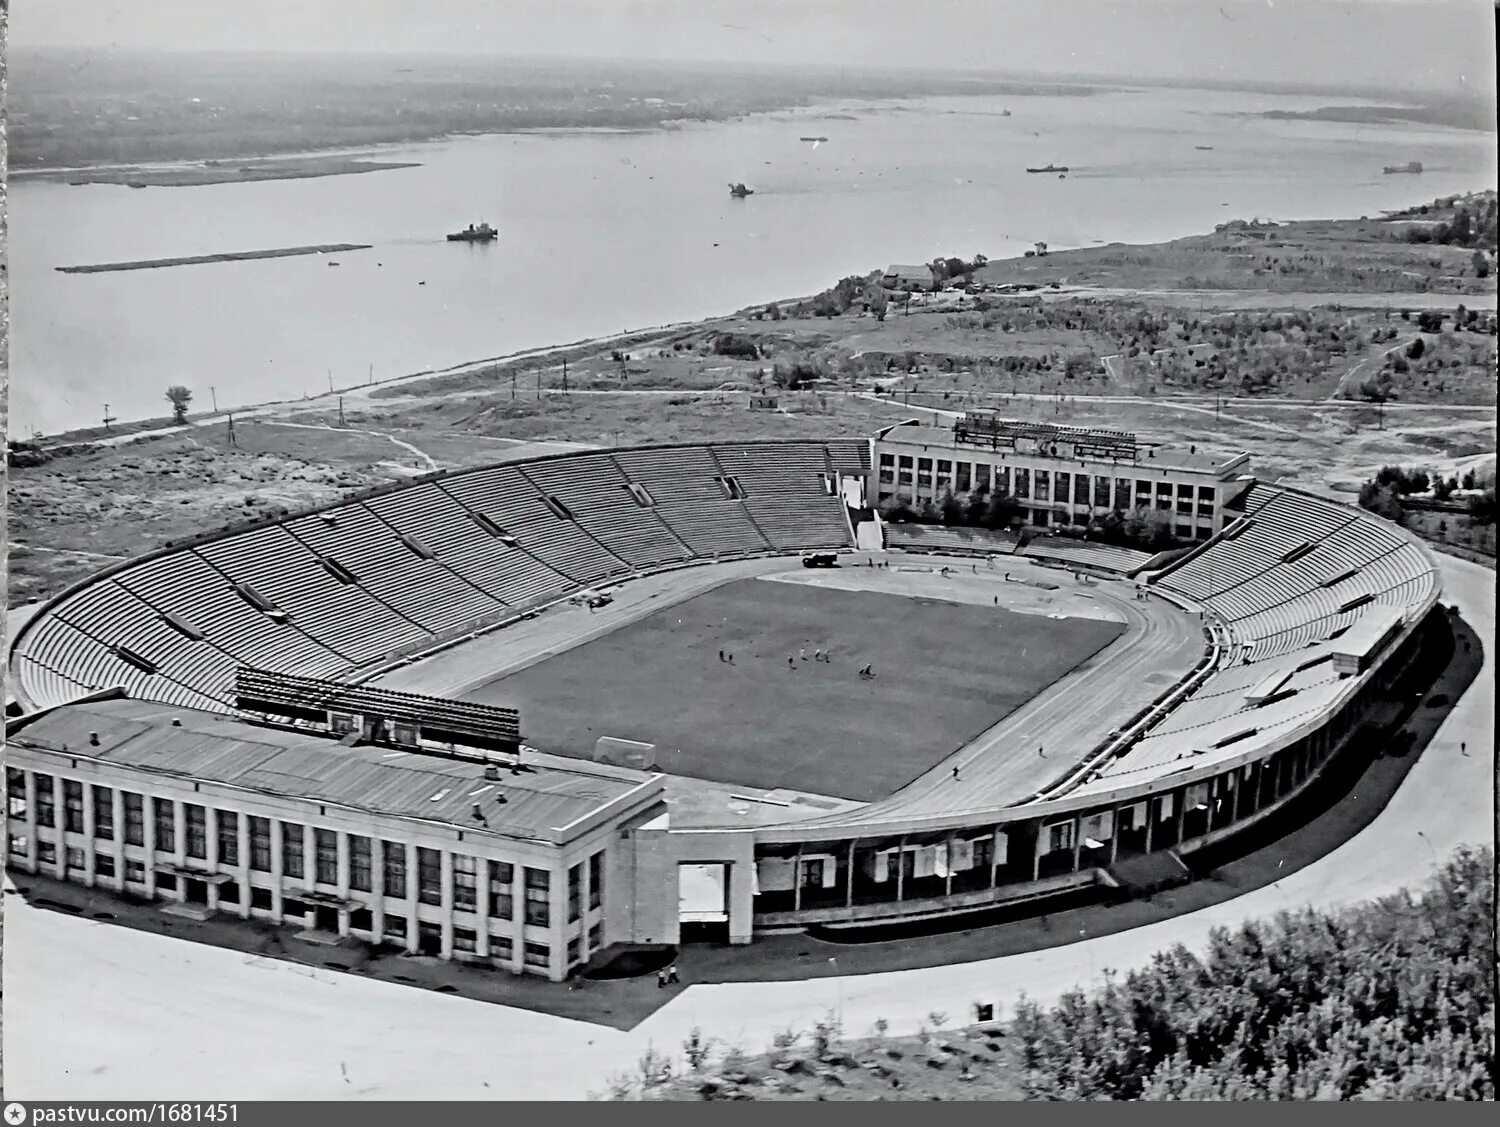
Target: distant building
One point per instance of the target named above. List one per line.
(1059, 475)
(909, 278)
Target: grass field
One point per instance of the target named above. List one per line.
(943, 674)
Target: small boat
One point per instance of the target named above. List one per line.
(1204, 148)
(1050, 168)
(1409, 166)
(820, 140)
(483, 233)
(739, 191)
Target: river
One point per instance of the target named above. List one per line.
(605, 232)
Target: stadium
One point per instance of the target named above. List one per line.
(537, 713)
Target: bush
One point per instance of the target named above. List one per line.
(733, 344)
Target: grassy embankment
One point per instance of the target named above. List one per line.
(69, 516)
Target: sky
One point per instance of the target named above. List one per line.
(1441, 45)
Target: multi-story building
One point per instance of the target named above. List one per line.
(524, 866)
(1060, 476)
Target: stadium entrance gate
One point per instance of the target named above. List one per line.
(703, 902)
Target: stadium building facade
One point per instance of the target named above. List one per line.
(1061, 476)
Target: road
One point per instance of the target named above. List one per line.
(101, 1012)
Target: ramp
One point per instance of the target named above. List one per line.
(1146, 873)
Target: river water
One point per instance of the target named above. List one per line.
(602, 233)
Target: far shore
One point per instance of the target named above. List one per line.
(199, 174)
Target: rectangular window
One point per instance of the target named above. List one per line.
(72, 806)
(104, 813)
(73, 860)
(1042, 485)
(501, 947)
(575, 892)
(15, 793)
(596, 880)
(1206, 493)
(195, 820)
(1023, 483)
(135, 872)
(429, 876)
(19, 843)
(575, 948)
(502, 882)
(135, 818)
(326, 843)
(166, 825)
(229, 893)
(1101, 492)
(227, 825)
(260, 844)
(538, 955)
(104, 865)
(291, 850)
(46, 853)
(464, 895)
(981, 477)
(260, 899)
(984, 852)
(359, 863)
(46, 801)
(395, 869)
(1060, 836)
(596, 937)
(1061, 484)
(464, 939)
(962, 478)
(395, 927)
(538, 892)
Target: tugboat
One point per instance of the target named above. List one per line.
(472, 234)
(1409, 166)
(1050, 168)
(739, 191)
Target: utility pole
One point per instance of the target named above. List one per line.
(233, 441)
(370, 375)
(330, 381)
(342, 423)
(512, 383)
(539, 381)
(108, 418)
(214, 396)
(565, 375)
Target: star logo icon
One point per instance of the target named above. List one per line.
(15, 1114)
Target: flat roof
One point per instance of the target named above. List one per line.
(1152, 457)
(542, 801)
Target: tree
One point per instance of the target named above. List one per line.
(1415, 349)
(1430, 320)
(1481, 264)
(879, 303)
(179, 397)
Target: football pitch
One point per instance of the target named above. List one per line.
(944, 672)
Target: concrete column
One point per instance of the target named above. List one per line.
(482, 909)
(1077, 839)
(995, 857)
(211, 852)
(446, 861)
(1114, 833)
(948, 880)
(377, 888)
(1181, 811)
(901, 869)
(413, 879)
(88, 834)
(59, 827)
(179, 833)
(242, 851)
(148, 836)
(849, 886)
(741, 901)
(117, 813)
(309, 857)
(278, 870)
(341, 871)
(797, 880)
(29, 782)
(1152, 811)
(557, 890)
